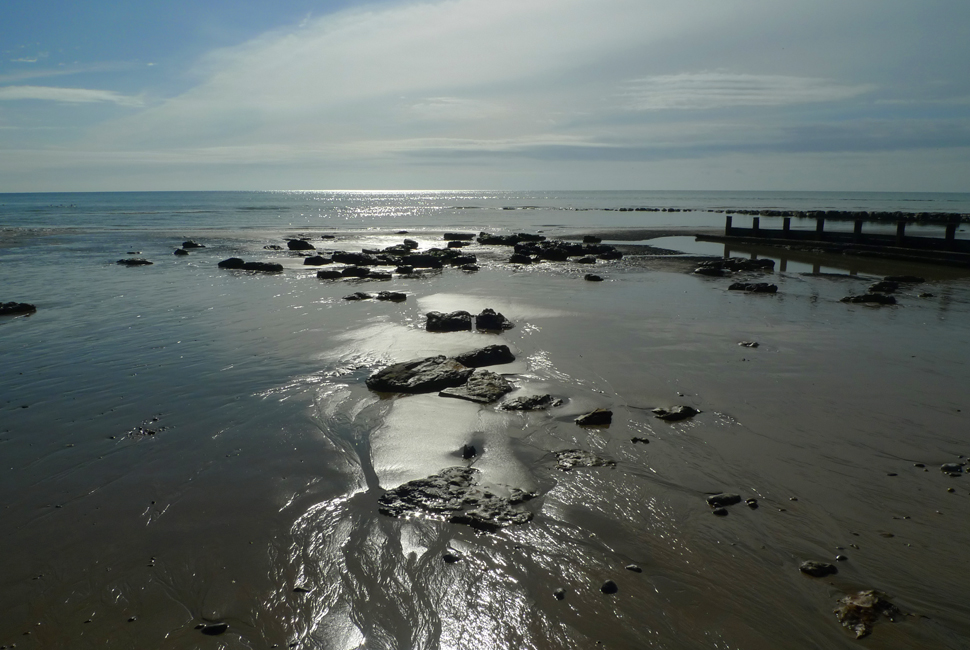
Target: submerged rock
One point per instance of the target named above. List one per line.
(264, 267)
(571, 458)
(452, 494)
(489, 319)
(179, 251)
(355, 272)
(754, 287)
(491, 355)
(531, 403)
(299, 245)
(420, 376)
(817, 569)
(595, 418)
(482, 386)
(329, 275)
(393, 296)
(723, 499)
(675, 413)
(316, 260)
(592, 277)
(710, 271)
(16, 308)
(134, 261)
(859, 612)
(456, 321)
(458, 236)
(871, 299)
(191, 244)
(359, 295)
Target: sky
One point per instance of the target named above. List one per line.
(840, 95)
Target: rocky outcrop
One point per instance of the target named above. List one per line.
(675, 413)
(456, 321)
(572, 458)
(489, 319)
(599, 417)
(458, 236)
(240, 264)
(179, 251)
(317, 260)
(359, 295)
(491, 355)
(482, 386)
(392, 296)
(355, 272)
(453, 495)
(16, 308)
(420, 376)
(191, 244)
(299, 245)
(531, 403)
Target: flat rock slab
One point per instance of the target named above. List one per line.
(15, 308)
(871, 299)
(754, 287)
(675, 413)
(572, 458)
(420, 376)
(490, 319)
(859, 612)
(359, 295)
(482, 386)
(453, 495)
(490, 355)
(599, 417)
(531, 403)
(456, 321)
(723, 499)
(134, 261)
(393, 296)
(817, 569)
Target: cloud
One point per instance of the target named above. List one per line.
(67, 95)
(712, 90)
(25, 60)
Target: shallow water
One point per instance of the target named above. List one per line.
(255, 500)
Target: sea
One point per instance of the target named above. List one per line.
(190, 456)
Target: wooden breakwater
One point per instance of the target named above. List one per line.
(945, 249)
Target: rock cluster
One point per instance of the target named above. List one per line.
(16, 308)
(238, 263)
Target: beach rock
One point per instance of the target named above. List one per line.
(871, 299)
(379, 275)
(456, 321)
(817, 569)
(859, 612)
(469, 267)
(420, 376)
(410, 244)
(751, 503)
(468, 452)
(134, 261)
(299, 245)
(905, 279)
(404, 270)
(531, 403)
(232, 263)
(611, 255)
(491, 355)
(886, 286)
(591, 277)
(952, 469)
(316, 260)
(191, 244)
(675, 413)
(16, 308)
(520, 258)
(595, 418)
(926, 294)
(328, 236)
(634, 568)
(710, 271)
(457, 244)
(482, 386)
(489, 319)
(214, 629)
(355, 272)
(723, 499)
(451, 558)
(458, 236)
(589, 259)
(635, 440)
(264, 267)
(749, 344)
(754, 287)
(609, 587)
(572, 458)
(452, 494)
(359, 295)
(179, 251)
(352, 259)
(591, 239)
(720, 512)
(393, 296)
(559, 593)
(329, 275)
(422, 261)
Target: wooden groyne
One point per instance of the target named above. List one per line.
(947, 249)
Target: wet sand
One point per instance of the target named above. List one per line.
(252, 499)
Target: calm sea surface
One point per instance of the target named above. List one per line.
(182, 445)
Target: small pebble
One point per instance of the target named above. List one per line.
(918, 465)
(132, 619)
(752, 503)
(793, 498)
(634, 568)
(609, 587)
(559, 594)
(840, 558)
(892, 474)
(720, 512)
(950, 490)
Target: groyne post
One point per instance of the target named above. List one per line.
(857, 231)
(820, 227)
(755, 226)
(900, 232)
(727, 225)
(951, 236)
(786, 228)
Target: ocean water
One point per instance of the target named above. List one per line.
(182, 445)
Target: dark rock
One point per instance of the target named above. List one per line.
(469, 267)
(316, 260)
(720, 512)
(191, 244)
(859, 612)
(232, 263)
(179, 251)
(379, 275)
(299, 245)
(926, 294)
(410, 244)
(393, 296)
(609, 587)
(817, 569)
(273, 247)
(595, 418)
(634, 568)
(404, 270)
(589, 259)
(519, 258)
(952, 469)
(711, 271)
(265, 267)
(468, 452)
(590, 277)
(458, 236)
(134, 261)
(751, 503)
(328, 236)
(16, 308)
(905, 279)
(749, 344)
(591, 239)
(611, 255)
(886, 286)
(456, 321)
(723, 499)
(329, 275)
(841, 558)
(214, 629)
(645, 441)
(491, 355)
(422, 261)
(572, 458)
(754, 287)
(675, 413)
(353, 259)
(420, 376)
(559, 594)
(451, 558)
(452, 494)
(355, 272)
(359, 295)
(871, 299)
(457, 244)
(482, 386)
(489, 319)
(531, 403)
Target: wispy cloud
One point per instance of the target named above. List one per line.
(712, 90)
(25, 60)
(67, 95)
